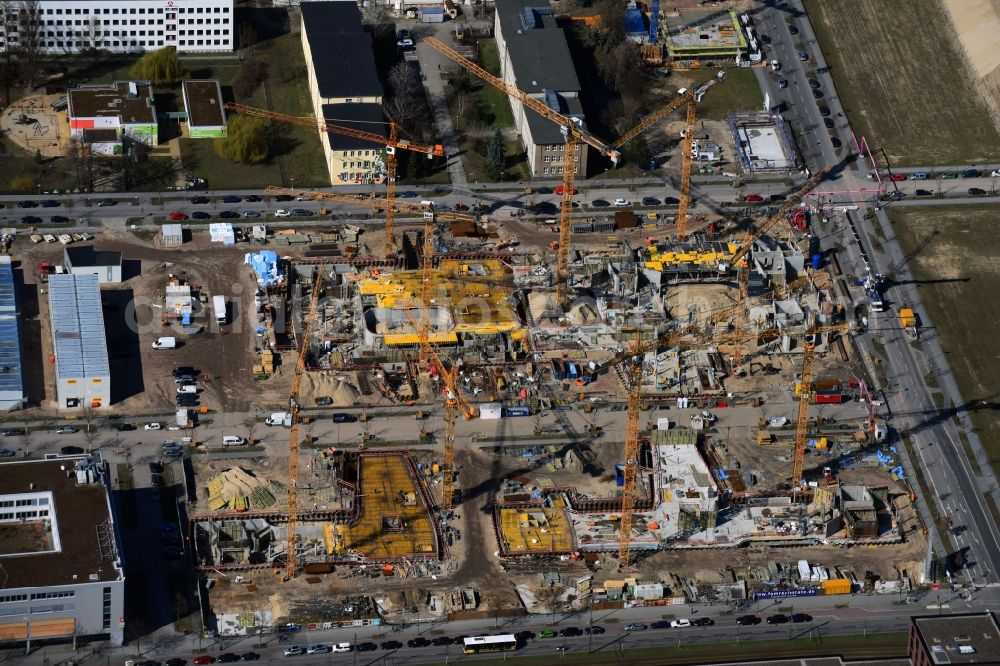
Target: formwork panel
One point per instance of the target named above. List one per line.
(535, 530)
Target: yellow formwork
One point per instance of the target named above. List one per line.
(694, 256)
(386, 489)
(475, 293)
(535, 530)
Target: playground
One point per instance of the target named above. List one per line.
(34, 125)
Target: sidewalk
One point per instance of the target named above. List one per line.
(432, 64)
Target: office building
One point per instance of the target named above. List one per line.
(126, 26)
(62, 567)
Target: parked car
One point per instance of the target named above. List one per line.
(560, 189)
(546, 633)
(178, 216)
(824, 110)
(294, 651)
(229, 658)
(152, 426)
(31, 219)
(782, 83)
(817, 94)
(753, 198)
(408, 194)
(13, 432)
(251, 213)
(324, 401)
(390, 645)
(229, 215)
(635, 626)
(300, 212)
(365, 647)
(106, 202)
(680, 623)
(792, 28)
(281, 212)
(66, 430)
(970, 173)
(600, 203)
(660, 624)
(418, 642)
(71, 450)
(230, 199)
(977, 192)
(650, 201)
(156, 468)
(704, 622)
(27, 204)
(593, 630)
(198, 200)
(252, 198)
(319, 648)
(59, 219)
(201, 660)
(777, 618)
(799, 618)
(803, 56)
(923, 193)
(344, 418)
(7, 453)
(747, 620)
(249, 656)
(176, 661)
(439, 641)
(995, 173)
(828, 123)
(621, 202)
(897, 176)
(201, 215)
(835, 142)
(569, 632)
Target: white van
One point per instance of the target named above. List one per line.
(233, 440)
(187, 388)
(165, 343)
(918, 175)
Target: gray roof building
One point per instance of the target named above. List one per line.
(340, 50)
(11, 377)
(83, 372)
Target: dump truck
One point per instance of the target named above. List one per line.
(908, 320)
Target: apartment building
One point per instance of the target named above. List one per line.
(534, 57)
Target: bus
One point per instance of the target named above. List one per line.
(499, 643)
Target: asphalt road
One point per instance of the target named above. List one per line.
(955, 489)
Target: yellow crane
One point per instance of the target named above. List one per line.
(392, 143)
(572, 129)
(805, 395)
(686, 158)
(293, 433)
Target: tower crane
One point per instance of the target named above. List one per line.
(746, 247)
(686, 157)
(293, 433)
(805, 394)
(453, 402)
(426, 278)
(572, 129)
(392, 143)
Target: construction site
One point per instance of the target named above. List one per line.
(604, 420)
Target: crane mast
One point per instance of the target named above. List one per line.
(686, 157)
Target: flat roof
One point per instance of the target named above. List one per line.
(101, 136)
(83, 519)
(78, 326)
(203, 103)
(342, 56)
(363, 117)
(87, 255)
(545, 131)
(962, 638)
(11, 379)
(537, 46)
(114, 100)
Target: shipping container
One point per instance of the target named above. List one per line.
(432, 16)
(828, 398)
(837, 586)
(582, 228)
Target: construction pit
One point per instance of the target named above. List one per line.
(540, 499)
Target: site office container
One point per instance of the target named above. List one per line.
(828, 398)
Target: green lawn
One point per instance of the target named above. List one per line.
(739, 91)
(298, 152)
(955, 265)
(476, 167)
(493, 102)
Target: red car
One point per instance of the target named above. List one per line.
(560, 190)
(753, 198)
(177, 216)
(897, 176)
(204, 659)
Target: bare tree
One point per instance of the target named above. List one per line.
(29, 40)
(248, 37)
(89, 415)
(407, 105)
(250, 423)
(376, 15)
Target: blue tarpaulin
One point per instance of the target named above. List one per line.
(265, 265)
(634, 23)
(186, 319)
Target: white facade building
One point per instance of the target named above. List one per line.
(122, 26)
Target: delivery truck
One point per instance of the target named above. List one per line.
(279, 419)
(219, 305)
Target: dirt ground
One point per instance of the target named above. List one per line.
(132, 323)
(903, 100)
(976, 22)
